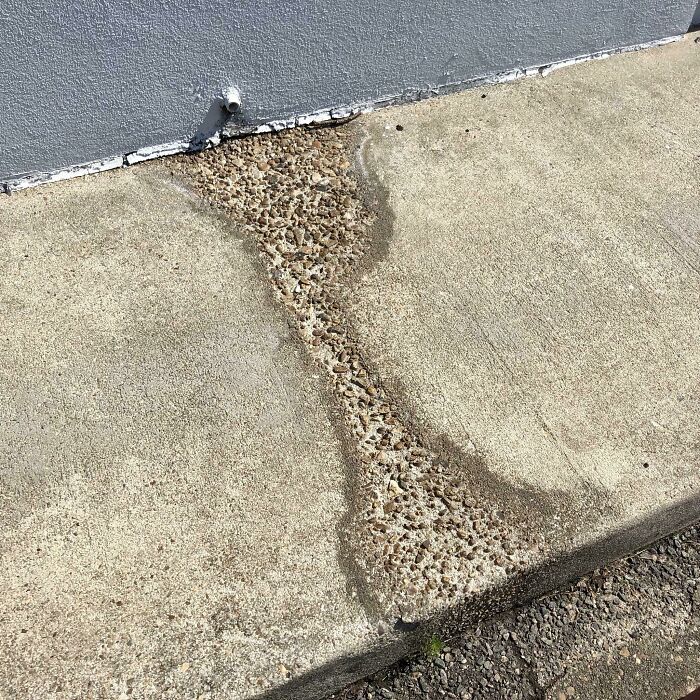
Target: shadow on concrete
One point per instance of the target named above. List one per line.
(555, 573)
(216, 118)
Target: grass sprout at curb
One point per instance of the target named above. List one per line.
(434, 646)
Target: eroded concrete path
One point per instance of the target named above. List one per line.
(390, 376)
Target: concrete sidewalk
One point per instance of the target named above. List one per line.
(535, 299)
(398, 376)
(172, 485)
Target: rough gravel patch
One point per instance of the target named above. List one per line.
(420, 537)
(629, 630)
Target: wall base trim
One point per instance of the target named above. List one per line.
(319, 117)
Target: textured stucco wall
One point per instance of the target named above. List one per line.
(82, 80)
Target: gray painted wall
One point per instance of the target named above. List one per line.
(696, 16)
(87, 79)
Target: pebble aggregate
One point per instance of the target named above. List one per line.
(420, 537)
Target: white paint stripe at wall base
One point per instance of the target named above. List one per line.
(151, 152)
(34, 179)
(318, 117)
(600, 55)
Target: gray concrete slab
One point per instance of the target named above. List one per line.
(151, 78)
(172, 490)
(535, 301)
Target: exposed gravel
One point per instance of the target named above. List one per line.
(631, 630)
(421, 538)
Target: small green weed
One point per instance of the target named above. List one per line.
(434, 646)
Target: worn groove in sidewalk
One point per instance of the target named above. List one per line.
(419, 534)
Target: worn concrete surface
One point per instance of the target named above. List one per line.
(536, 301)
(506, 328)
(172, 488)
